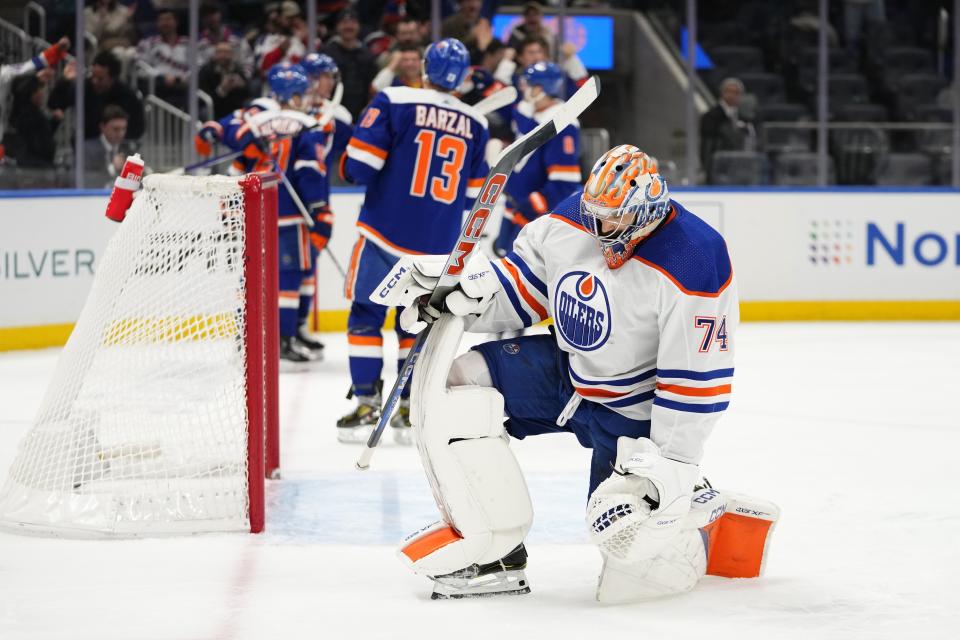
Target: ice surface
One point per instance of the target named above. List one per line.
(852, 429)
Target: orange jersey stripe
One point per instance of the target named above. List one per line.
(369, 148)
(536, 306)
(406, 343)
(697, 392)
(379, 237)
(475, 183)
(352, 269)
(366, 341)
(563, 167)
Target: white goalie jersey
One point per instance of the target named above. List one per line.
(652, 340)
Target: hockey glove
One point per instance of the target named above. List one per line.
(209, 134)
(473, 294)
(635, 512)
(322, 225)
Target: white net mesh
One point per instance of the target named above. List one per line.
(143, 429)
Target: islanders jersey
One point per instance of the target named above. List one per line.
(652, 340)
(334, 135)
(420, 154)
(541, 180)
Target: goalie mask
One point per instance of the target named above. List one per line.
(623, 201)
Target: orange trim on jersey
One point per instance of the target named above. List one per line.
(379, 237)
(289, 294)
(352, 269)
(475, 183)
(562, 167)
(342, 168)
(369, 148)
(365, 341)
(700, 294)
(406, 343)
(427, 544)
(530, 300)
(570, 222)
(701, 392)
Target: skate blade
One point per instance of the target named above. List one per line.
(354, 435)
(509, 583)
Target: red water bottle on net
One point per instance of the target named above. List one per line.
(126, 184)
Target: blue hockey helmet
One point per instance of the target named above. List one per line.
(287, 80)
(446, 63)
(317, 63)
(547, 76)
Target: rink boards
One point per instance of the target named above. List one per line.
(818, 254)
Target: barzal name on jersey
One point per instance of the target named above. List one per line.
(652, 340)
(420, 154)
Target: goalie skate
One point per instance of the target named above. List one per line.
(503, 577)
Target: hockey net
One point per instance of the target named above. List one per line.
(157, 415)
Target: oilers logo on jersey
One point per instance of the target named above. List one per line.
(582, 313)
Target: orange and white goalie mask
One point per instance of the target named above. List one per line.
(623, 201)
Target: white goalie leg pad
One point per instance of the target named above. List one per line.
(677, 567)
(476, 481)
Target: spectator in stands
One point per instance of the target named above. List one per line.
(224, 80)
(357, 65)
(285, 39)
(380, 42)
(166, 52)
(102, 89)
(104, 155)
(725, 127)
(461, 24)
(403, 71)
(405, 31)
(532, 27)
(31, 141)
(111, 24)
(858, 14)
(213, 32)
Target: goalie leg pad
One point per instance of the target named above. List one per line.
(740, 539)
(476, 481)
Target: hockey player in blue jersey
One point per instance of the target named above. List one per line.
(550, 173)
(300, 158)
(420, 154)
(324, 75)
(233, 132)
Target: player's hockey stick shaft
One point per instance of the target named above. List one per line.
(497, 100)
(470, 234)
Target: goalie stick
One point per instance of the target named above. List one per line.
(470, 235)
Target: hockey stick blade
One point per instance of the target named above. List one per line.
(470, 234)
(497, 100)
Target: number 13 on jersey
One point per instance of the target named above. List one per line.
(453, 151)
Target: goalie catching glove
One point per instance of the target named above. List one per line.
(413, 279)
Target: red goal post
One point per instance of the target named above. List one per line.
(161, 416)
